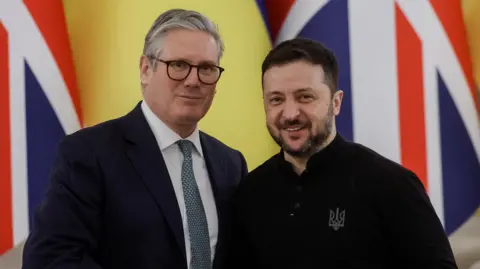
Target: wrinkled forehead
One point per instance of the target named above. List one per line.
(189, 45)
(292, 77)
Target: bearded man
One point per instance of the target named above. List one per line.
(323, 201)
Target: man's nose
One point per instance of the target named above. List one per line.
(192, 78)
(291, 110)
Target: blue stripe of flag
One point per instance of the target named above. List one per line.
(44, 133)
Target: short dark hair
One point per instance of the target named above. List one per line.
(302, 49)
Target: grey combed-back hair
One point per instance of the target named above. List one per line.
(178, 19)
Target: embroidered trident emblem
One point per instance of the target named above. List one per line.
(337, 219)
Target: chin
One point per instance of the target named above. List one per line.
(191, 117)
(296, 147)
(299, 142)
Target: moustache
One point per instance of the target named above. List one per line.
(296, 122)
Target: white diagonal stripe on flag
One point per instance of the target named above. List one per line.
(19, 140)
(300, 13)
(32, 45)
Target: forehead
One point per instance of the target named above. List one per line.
(195, 46)
(294, 76)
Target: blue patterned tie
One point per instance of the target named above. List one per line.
(196, 218)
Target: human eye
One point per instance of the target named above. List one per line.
(305, 97)
(208, 69)
(275, 100)
(179, 65)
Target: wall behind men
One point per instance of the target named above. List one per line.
(107, 41)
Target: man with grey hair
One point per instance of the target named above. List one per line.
(146, 190)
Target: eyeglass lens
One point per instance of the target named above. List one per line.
(207, 73)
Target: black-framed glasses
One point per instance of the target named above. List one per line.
(179, 70)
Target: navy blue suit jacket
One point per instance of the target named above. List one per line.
(111, 203)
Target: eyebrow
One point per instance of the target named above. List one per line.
(200, 63)
(207, 62)
(304, 90)
(295, 91)
(275, 93)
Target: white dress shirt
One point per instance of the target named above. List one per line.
(166, 139)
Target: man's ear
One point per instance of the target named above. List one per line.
(337, 102)
(145, 70)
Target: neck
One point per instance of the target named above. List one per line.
(183, 130)
(300, 163)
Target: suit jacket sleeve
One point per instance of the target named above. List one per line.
(67, 223)
(413, 229)
(243, 165)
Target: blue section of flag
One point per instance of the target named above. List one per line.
(460, 165)
(262, 7)
(44, 132)
(330, 27)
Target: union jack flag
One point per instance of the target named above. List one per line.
(408, 83)
(39, 105)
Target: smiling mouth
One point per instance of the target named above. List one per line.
(294, 128)
(191, 97)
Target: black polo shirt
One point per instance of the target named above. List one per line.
(350, 208)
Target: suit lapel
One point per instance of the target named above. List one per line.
(148, 161)
(217, 174)
(215, 166)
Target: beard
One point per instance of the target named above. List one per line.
(314, 140)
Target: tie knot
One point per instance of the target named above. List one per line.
(185, 147)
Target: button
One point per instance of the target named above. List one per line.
(299, 187)
(292, 214)
(296, 206)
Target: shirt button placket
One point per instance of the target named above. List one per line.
(299, 188)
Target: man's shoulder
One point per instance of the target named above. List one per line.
(265, 170)
(98, 133)
(373, 164)
(93, 137)
(215, 143)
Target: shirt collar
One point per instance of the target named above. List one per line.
(164, 135)
(326, 158)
